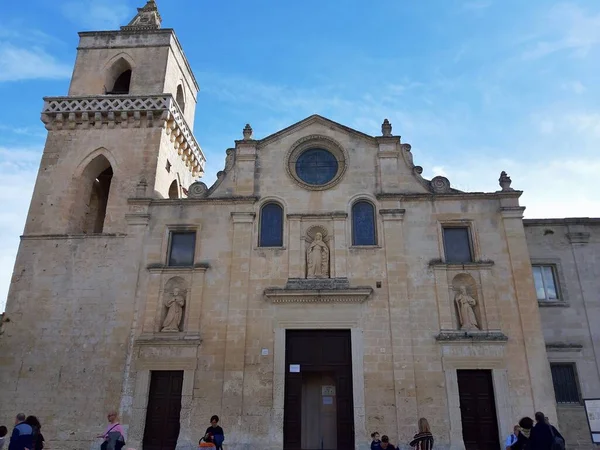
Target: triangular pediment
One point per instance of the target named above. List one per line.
(312, 120)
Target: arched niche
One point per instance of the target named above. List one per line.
(467, 303)
(174, 304)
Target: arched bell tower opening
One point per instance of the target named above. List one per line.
(92, 196)
(180, 98)
(118, 79)
(174, 190)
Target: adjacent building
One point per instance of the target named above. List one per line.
(319, 290)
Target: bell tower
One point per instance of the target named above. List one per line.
(124, 130)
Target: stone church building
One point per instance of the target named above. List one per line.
(321, 289)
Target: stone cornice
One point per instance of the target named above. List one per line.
(50, 237)
(126, 111)
(233, 200)
(566, 221)
(448, 196)
(328, 215)
(439, 264)
(392, 214)
(560, 347)
(460, 337)
(163, 268)
(351, 295)
(578, 237)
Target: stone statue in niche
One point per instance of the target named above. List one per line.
(465, 304)
(175, 304)
(317, 258)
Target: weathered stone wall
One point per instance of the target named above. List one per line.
(570, 324)
(71, 309)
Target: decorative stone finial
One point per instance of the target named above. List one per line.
(505, 182)
(147, 18)
(247, 132)
(386, 128)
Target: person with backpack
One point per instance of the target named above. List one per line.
(545, 436)
(114, 436)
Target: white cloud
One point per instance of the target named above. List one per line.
(576, 87)
(18, 170)
(566, 27)
(98, 14)
(19, 63)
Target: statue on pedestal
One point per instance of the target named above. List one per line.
(317, 258)
(175, 304)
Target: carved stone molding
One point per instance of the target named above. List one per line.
(126, 111)
(331, 290)
(561, 347)
(163, 268)
(449, 336)
(578, 237)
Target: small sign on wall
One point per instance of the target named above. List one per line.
(592, 411)
(294, 368)
(328, 400)
(264, 352)
(327, 390)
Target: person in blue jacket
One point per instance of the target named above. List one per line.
(22, 435)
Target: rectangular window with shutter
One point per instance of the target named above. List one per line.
(566, 388)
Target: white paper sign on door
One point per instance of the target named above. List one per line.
(592, 410)
(294, 368)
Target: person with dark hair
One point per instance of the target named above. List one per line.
(525, 426)
(3, 433)
(385, 443)
(21, 437)
(215, 434)
(544, 436)
(375, 441)
(37, 436)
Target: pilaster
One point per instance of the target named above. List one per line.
(245, 166)
(526, 303)
(233, 379)
(399, 304)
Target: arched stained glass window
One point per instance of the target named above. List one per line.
(363, 224)
(271, 226)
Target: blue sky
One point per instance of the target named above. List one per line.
(475, 86)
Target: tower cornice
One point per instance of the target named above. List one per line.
(126, 111)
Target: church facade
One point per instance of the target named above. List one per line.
(321, 289)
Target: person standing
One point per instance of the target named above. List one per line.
(544, 435)
(21, 437)
(375, 441)
(423, 440)
(114, 436)
(522, 442)
(37, 436)
(512, 438)
(215, 434)
(3, 433)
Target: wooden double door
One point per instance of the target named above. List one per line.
(318, 407)
(164, 409)
(478, 410)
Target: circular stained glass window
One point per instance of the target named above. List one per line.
(316, 166)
